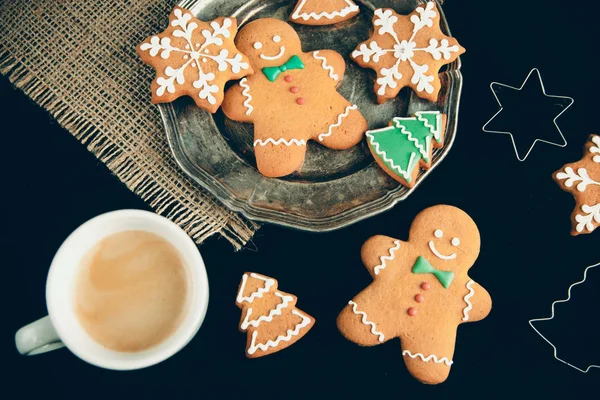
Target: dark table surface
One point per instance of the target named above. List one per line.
(528, 259)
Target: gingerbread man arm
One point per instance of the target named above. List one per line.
(478, 303)
(238, 102)
(379, 252)
(332, 63)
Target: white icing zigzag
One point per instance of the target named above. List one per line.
(326, 66)
(341, 13)
(297, 142)
(365, 321)
(384, 259)
(428, 358)
(469, 306)
(285, 301)
(289, 334)
(436, 133)
(552, 316)
(383, 154)
(424, 152)
(339, 121)
(246, 93)
(257, 294)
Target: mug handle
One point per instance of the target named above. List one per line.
(38, 337)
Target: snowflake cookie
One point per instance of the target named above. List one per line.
(405, 146)
(421, 291)
(269, 316)
(582, 180)
(194, 58)
(323, 12)
(407, 50)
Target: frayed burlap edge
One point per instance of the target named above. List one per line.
(157, 197)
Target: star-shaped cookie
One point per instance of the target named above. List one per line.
(582, 180)
(194, 58)
(407, 50)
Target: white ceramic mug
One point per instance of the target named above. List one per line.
(61, 327)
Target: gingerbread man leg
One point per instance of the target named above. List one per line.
(278, 156)
(346, 131)
(428, 358)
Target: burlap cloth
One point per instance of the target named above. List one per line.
(77, 60)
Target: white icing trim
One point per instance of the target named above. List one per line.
(297, 142)
(469, 306)
(438, 254)
(326, 66)
(437, 133)
(384, 259)
(278, 56)
(285, 301)
(258, 293)
(312, 15)
(425, 151)
(339, 121)
(365, 321)
(580, 176)
(596, 148)
(428, 358)
(592, 213)
(383, 154)
(247, 95)
(289, 334)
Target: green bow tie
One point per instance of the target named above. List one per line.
(273, 72)
(422, 266)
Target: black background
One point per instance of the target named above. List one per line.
(528, 258)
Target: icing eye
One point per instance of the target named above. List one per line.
(258, 45)
(455, 242)
(438, 233)
(277, 39)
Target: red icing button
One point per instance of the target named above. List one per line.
(300, 101)
(412, 311)
(288, 78)
(419, 298)
(294, 89)
(425, 286)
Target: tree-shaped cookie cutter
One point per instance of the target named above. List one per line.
(585, 371)
(493, 84)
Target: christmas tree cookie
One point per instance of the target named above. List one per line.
(323, 12)
(405, 146)
(269, 316)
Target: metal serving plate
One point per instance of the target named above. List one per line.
(333, 188)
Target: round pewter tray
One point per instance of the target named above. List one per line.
(333, 188)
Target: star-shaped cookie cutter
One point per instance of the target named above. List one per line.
(585, 371)
(546, 95)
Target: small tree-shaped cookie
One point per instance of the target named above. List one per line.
(269, 316)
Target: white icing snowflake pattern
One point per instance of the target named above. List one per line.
(404, 50)
(576, 177)
(196, 53)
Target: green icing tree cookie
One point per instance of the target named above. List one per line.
(407, 144)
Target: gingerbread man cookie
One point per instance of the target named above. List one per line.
(407, 50)
(420, 292)
(291, 98)
(323, 12)
(582, 180)
(269, 316)
(194, 58)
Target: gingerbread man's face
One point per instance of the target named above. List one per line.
(268, 47)
(450, 241)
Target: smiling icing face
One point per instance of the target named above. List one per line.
(268, 42)
(439, 234)
(259, 46)
(447, 237)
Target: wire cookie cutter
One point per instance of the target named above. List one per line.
(546, 95)
(552, 316)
